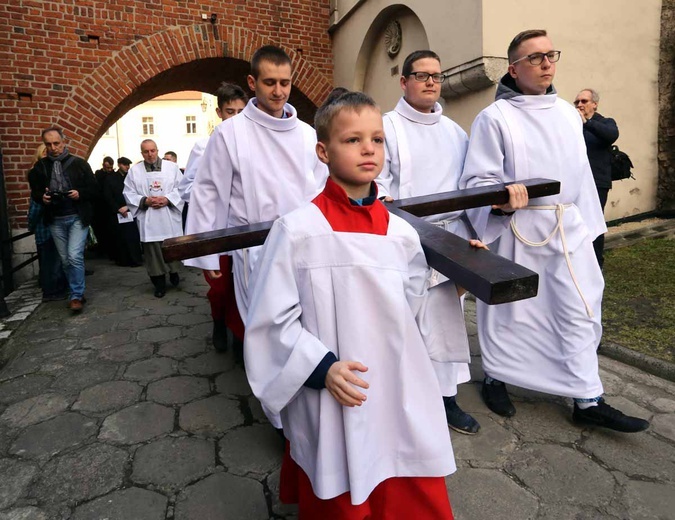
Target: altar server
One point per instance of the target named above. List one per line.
(547, 343)
(151, 192)
(256, 166)
(231, 101)
(341, 341)
(424, 154)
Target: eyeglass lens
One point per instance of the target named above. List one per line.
(538, 57)
(424, 76)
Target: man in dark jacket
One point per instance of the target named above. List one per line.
(65, 185)
(600, 133)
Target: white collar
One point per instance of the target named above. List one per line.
(252, 112)
(526, 102)
(406, 110)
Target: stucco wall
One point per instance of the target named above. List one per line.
(609, 45)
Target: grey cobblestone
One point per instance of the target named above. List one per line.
(178, 419)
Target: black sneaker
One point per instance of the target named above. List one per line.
(458, 419)
(497, 399)
(174, 279)
(607, 417)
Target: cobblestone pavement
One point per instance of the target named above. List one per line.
(126, 413)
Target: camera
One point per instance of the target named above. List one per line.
(57, 196)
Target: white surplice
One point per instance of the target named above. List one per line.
(155, 225)
(314, 291)
(255, 168)
(547, 343)
(424, 155)
(185, 185)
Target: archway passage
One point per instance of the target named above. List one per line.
(204, 75)
(188, 57)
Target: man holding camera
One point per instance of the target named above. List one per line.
(65, 185)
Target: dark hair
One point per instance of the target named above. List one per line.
(334, 94)
(124, 160)
(355, 101)
(228, 92)
(109, 160)
(522, 37)
(275, 55)
(172, 154)
(413, 57)
(53, 129)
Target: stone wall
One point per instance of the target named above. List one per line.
(666, 188)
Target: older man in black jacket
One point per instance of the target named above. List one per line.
(600, 133)
(66, 186)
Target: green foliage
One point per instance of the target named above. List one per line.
(639, 302)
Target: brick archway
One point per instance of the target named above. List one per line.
(178, 58)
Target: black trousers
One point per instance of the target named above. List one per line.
(599, 243)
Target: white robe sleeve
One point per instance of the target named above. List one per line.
(280, 354)
(132, 194)
(387, 180)
(210, 196)
(485, 166)
(440, 319)
(174, 195)
(185, 186)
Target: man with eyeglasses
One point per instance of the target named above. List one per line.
(547, 343)
(600, 133)
(424, 154)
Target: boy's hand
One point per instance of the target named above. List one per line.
(518, 198)
(340, 380)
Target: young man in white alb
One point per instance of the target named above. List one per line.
(547, 343)
(256, 167)
(425, 154)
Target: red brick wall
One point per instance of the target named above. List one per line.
(52, 72)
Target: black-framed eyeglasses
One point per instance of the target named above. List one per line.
(536, 58)
(581, 101)
(423, 77)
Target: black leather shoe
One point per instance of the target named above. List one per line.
(174, 279)
(607, 417)
(458, 419)
(220, 336)
(497, 399)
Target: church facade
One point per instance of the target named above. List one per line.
(612, 46)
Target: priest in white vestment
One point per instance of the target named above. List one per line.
(425, 153)
(151, 192)
(547, 343)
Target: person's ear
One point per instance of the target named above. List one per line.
(403, 83)
(512, 71)
(322, 152)
(251, 82)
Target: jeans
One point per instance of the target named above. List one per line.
(70, 237)
(52, 277)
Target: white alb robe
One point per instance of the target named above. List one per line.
(185, 185)
(424, 154)
(155, 225)
(314, 291)
(547, 343)
(255, 168)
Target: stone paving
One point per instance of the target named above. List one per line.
(125, 412)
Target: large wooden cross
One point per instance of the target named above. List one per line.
(490, 277)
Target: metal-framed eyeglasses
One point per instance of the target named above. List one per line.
(536, 58)
(423, 77)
